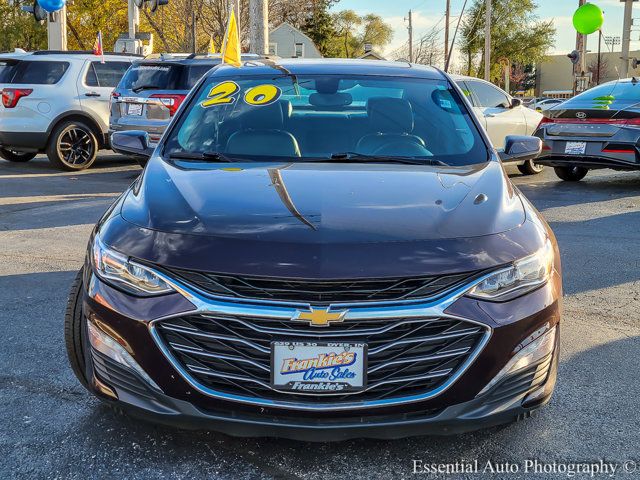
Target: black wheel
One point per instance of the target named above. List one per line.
(571, 174)
(530, 168)
(14, 156)
(75, 331)
(72, 146)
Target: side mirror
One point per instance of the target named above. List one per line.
(520, 148)
(516, 102)
(132, 142)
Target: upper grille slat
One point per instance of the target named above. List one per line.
(315, 291)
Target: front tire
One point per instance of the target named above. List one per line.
(530, 168)
(571, 174)
(13, 156)
(75, 331)
(73, 146)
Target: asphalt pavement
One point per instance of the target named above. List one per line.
(51, 427)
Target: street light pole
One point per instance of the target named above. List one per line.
(447, 13)
(626, 39)
(487, 42)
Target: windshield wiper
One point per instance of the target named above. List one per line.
(203, 156)
(353, 157)
(145, 87)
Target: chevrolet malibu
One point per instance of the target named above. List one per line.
(321, 250)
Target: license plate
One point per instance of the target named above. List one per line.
(575, 148)
(318, 367)
(134, 109)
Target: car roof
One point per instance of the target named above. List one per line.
(328, 66)
(190, 58)
(40, 55)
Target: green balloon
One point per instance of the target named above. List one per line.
(588, 19)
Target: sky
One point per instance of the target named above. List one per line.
(427, 13)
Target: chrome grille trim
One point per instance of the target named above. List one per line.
(371, 311)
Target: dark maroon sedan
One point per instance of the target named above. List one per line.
(321, 250)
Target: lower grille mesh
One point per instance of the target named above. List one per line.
(406, 356)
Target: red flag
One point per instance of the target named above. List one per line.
(97, 47)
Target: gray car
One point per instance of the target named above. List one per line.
(599, 128)
(153, 89)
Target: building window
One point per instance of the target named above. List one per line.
(273, 48)
(299, 50)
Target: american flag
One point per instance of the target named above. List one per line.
(97, 47)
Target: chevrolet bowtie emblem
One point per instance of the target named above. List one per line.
(320, 317)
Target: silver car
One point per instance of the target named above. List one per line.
(152, 90)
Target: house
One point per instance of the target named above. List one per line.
(369, 54)
(287, 41)
(554, 74)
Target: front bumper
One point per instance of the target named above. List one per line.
(457, 409)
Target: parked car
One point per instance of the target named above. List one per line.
(598, 128)
(152, 90)
(501, 115)
(546, 104)
(57, 103)
(324, 250)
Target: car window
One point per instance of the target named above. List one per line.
(488, 95)
(195, 73)
(609, 96)
(158, 76)
(316, 116)
(106, 74)
(40, 72)
(7, 70)
(465, 89)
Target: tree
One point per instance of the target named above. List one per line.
(319, 27)
(593, 68)
(516, 34)
(18, 29)
(354, 31)
(428, 50)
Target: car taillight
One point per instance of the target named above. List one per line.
(171, 101)
(544, 120)
(112, 97)
(10, 96)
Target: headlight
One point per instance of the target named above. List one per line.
(116, 268)
(523, 276)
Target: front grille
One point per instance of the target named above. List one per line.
(323, 291)
(406, 356)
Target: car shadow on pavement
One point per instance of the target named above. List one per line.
(592, 189)
(592, 415)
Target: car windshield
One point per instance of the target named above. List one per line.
(319, 117)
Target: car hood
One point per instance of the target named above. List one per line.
(324, 203)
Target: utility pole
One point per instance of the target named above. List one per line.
(447, 13)
(626, 38)
(581, 48)
(259, 26)
(410, 38)
(57, 30)
(236, 8)
(134, 19)
(487, 42)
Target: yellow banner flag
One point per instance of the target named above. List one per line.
(212, 47)
(231, 46)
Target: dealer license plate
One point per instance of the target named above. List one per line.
(575, 148)
(318, 367)
(134, 109)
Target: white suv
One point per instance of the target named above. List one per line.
(57, 103)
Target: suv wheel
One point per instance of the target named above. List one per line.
(75, 331)
(530, 168)
(72, 146)
(571, 174)
(14, 156)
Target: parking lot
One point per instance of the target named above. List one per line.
(52, 428)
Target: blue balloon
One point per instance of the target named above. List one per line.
(52, 5)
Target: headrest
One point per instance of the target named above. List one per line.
(265, 117)
(330, 99)
(390, 115)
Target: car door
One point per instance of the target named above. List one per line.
(494, 106)
(95, 86)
